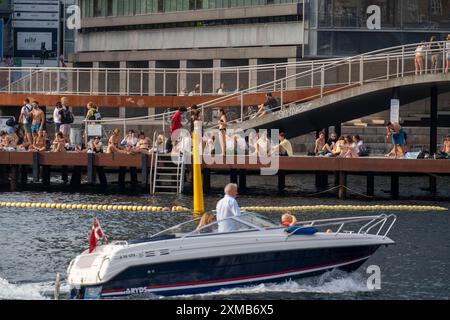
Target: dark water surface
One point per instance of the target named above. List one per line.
(35, 244)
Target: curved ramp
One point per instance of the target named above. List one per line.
(348, 104)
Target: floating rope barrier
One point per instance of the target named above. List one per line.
(94, 207)
(345, 208)
(106, 207)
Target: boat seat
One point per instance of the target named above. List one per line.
(304, 231)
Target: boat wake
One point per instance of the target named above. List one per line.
(29, 291)
(334, 282)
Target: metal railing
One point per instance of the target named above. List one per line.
(376, 66)
(376, 223)
(144, 81)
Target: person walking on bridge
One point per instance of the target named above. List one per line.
(447, 50)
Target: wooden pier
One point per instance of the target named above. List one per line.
(17, 167)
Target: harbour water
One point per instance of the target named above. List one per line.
(37, 243)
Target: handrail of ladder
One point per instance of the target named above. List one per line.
(154, 174)
(152, 158)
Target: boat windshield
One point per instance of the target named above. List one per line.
(258, 220)
(244, 222)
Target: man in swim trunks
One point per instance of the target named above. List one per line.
(38, 119)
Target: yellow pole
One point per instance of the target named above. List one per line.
(199, 206)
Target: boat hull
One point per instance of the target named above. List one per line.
(214, 273)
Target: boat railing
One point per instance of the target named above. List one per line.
(375, 223)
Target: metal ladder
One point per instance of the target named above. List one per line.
(167, 175)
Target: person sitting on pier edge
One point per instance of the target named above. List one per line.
(348, 149)
(444, 153)
(22, 144)
(5, 142)
(320, 143)
(130, 141)
(95, 145)
(395, 131)
(39, 143)
(228, 207)
(328, 147)
(284, 148)
(113, 143)
(361, 149)
(288, 220)
(337, 148)
(59, 143)
(143, 145)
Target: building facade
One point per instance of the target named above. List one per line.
(207, 33)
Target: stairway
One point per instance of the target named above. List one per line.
(168, 175)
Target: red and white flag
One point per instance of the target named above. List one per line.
(96, 234)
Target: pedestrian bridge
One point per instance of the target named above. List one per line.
(363, 85)
(349, 104)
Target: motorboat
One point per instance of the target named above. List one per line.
(238, 251)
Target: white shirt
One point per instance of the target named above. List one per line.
(227, 207)
(56, 116)
(26, 109)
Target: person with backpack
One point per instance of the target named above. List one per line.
(92, 113)
(66, 119)
(26, 119)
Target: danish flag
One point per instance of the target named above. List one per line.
(96, 234)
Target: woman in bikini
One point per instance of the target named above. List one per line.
(39, 143)
(223, 121)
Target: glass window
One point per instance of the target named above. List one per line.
(182, 5)
(99, 8)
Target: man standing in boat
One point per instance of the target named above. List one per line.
(228, 207)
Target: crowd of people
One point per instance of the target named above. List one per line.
(30, 134)
(343, 147)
